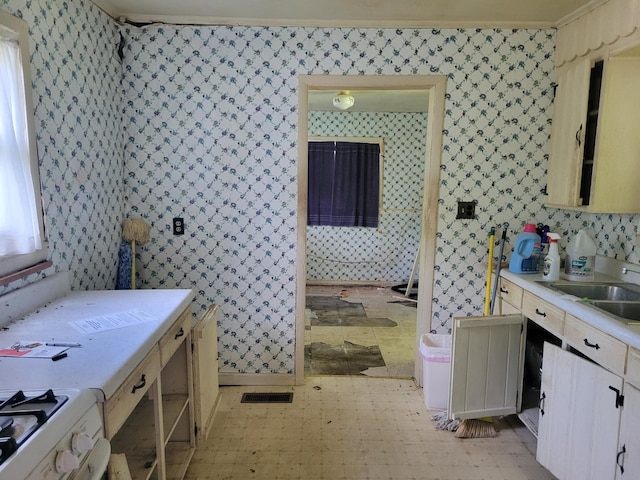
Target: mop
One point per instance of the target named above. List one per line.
(135, 230)
(482, 427)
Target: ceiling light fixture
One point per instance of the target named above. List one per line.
(343, 100)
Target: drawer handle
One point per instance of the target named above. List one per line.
(541, 404)
(591, 345)
(179, 334)
(541, 313)
(620, 454)
(504, 290)
(143, 382)
(579, 135)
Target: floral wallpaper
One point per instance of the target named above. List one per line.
(385, 254)
(76, 71)
(206, 118)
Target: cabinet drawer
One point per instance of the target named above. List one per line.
(176, 334)
(598, 346)
(543, 313)
(511, 293)
(122, 403)
(633, 367)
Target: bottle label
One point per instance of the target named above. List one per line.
(547, 267)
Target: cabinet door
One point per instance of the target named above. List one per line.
(567, 134)
(205, 358)
(486, 366)
(616, 170)
(579, 417)
(628, 457)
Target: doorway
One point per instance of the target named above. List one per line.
(434, 87)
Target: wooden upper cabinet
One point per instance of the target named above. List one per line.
(567, 135)
(594, 159)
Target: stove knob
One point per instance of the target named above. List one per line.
(81, 443)
(66, 462)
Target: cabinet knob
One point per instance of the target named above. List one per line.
(179, 334)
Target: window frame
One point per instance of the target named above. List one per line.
(13, 267)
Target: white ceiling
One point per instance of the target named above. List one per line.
(372, 100)
(351, 13)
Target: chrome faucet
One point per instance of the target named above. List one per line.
(626, 270)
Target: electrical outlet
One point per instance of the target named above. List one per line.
(178, 226)
(466, 210)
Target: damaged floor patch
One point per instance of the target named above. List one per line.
(345, 359)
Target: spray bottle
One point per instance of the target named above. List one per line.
(551, 272)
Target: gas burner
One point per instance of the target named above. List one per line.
(22, 415)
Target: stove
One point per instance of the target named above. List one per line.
(51, 435)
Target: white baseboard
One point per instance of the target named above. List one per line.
(256, 379)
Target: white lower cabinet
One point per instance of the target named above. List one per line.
(581, 403)
(628, 457)
(579, 417)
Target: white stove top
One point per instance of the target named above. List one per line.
(78, 416)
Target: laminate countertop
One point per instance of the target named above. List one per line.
(106, 357)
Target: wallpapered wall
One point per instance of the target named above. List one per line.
(210, 119)
(386, 253)
(76, 75)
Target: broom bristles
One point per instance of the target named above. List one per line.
(472, 428)
(135, 230)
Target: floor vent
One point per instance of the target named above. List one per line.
(267, 397)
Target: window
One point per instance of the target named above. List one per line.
(344, 183)
(22, 240)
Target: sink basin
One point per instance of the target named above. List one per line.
(629, 312)
(599, 291)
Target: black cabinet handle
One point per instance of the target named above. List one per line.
(620, 454)
(503, 290)
(578, 135)
(541, 403)
(591, 345)
(179, 334)
(143, 382)
(541, 313)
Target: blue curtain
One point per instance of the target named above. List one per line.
(344, 184)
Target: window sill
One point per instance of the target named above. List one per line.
(38, 267)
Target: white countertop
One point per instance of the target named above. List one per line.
(572, 305)
(106, 358)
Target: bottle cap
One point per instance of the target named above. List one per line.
(530, 227)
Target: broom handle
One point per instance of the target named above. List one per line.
(487, 298)
(133, 264)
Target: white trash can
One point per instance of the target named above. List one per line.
(435, 350)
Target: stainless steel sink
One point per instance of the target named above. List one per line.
(613, 292)
(621, 300)
(629, 312)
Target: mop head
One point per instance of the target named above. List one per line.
(476, 428)
(135, 230)
(443, 422)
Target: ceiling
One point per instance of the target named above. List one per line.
(372, 100)
(352, 13)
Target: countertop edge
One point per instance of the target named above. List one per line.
(573, 306)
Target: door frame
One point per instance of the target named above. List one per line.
(435, 86)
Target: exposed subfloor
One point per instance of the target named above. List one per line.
(363, 330)
(353, 428)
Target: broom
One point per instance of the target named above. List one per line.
(135, 230)
(481, 427)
